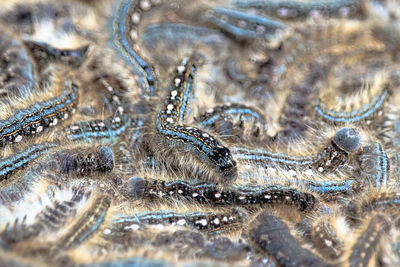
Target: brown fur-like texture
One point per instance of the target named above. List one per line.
(199, 133)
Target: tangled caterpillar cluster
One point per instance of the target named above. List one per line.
(199, 133)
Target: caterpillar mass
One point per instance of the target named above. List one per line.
(199, 133)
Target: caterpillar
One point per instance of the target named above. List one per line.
(244, 25)
(88, 223)
(127, 16)
(18, 77)
(11, 164)
(364, 249)
(109, 128)
(272, 235)
(208, 193)
(169, 125)
(208, 222)
(44, 52)
(36, 118)
(375, 165)
(301, 9)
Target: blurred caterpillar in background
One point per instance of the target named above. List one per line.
(193, 133)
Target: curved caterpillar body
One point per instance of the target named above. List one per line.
(273, 142)
(234, 122)
(51, 218)
(217, 113)
(73, 57)
(354, 116)
(127, 15)
(88, 224)
(326, 239)
(169, 125)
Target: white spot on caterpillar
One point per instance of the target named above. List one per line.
(145, 5)
(132, 227)
(107, 231)
(133, 35)
(136, 17)
(181, 222)
(180, 69)
(202, 222)
(18, 139)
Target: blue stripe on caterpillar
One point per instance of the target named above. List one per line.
(19, 160)
(210, 222)
(208, 193)
(110, 128)
(88, 223)
(217, 113)
(375, 165)
(39, 116)
(124, 47)
(300, 9)
(173, 111)
(355, 115)
(262, 155)
(245, 25)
